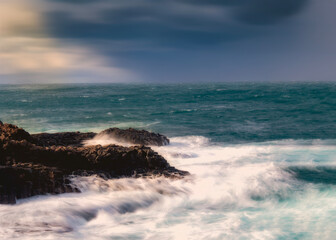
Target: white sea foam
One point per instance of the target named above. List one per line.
(105, 140)
(239, 191)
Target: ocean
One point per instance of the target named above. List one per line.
(262, 158)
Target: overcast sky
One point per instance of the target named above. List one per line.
(48, 41)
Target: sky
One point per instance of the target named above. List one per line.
(163, 41)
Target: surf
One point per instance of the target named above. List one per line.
(231, 193)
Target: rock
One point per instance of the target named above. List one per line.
(62, 139)
(140, 137)
(26, 180)
(42, 163)
(135, 136)
(11, 132)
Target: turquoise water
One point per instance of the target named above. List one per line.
(262, 159)
(222, 112)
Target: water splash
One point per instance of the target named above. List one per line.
(244, 191)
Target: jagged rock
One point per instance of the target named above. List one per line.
(140, 137)
(62, 139)
(26, 180)
(42, 163)
(11, 132)
(136, 136)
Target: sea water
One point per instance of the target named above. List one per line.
(262, 159)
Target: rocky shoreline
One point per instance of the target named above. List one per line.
(37, 164)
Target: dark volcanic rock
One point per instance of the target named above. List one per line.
(11, 132)
(140, 137)
(62, 139)
(42, 163)
(136, 136)
(26, 180)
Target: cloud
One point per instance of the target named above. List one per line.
(36, 57)
(268, 11)
(27, 54)
(88, 40)
(18, 18)
(172, 23)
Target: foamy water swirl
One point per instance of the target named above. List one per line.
(243, 191)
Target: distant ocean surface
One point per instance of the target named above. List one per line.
(262, 158)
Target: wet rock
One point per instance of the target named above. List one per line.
(11, 132)
(43, 163)
(135, 136)
(26, 180)
(62, 139)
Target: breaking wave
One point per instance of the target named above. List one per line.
(270, 190)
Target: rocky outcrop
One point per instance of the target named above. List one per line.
(62, 139)
(42, 163)
(26, 180)
(135, 136)
(131, 135)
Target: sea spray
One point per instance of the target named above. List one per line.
(235, 191)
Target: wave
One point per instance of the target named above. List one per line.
(314, 174)
(242, 191)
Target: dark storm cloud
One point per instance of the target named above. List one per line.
(167, 40)
(217, 2)
(160, 32)
(258, 11)
(75, 1)
(268, 11)
(169, 23)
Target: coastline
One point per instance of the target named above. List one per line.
(40, 164)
